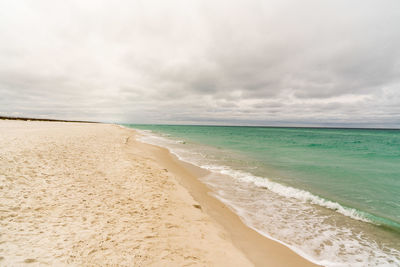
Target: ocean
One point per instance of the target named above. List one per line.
(331, 195)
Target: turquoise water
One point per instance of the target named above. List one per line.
(348, 179)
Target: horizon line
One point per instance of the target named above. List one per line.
(267, 126)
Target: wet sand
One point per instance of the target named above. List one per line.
(90, 194)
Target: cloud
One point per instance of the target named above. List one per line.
(226, 62)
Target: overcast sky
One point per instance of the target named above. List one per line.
(269, 62)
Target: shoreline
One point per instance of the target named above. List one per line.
(313, 225)
(91, 194)
(257, 247)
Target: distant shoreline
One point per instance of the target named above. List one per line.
(39, 119)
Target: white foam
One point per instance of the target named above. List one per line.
(295, 225)
(287, 191)
(299, 251)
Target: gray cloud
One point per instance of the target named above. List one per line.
(222, 62)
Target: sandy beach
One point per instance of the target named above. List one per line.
(82, 194)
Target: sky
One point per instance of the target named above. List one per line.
(267, 62)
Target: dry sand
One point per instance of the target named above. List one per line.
(90, 194)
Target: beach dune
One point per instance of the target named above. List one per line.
(90, 194)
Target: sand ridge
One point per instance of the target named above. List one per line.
(85, 194)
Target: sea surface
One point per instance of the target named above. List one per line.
(331, 195)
